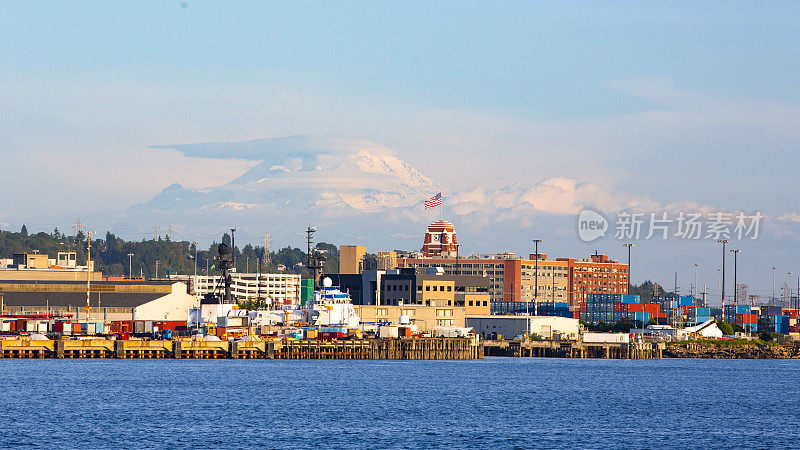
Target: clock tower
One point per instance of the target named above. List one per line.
(440, 240)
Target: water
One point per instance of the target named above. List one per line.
(493, 403)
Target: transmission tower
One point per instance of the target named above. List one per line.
(267, 256)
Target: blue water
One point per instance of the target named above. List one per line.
(494, 403)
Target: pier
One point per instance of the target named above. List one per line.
(405, 348)
(573, 349)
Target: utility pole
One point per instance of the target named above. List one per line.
(629, 245)
(88, 271)
(694, 293)
(155, 232)
(233, 246)
(735, 286)
(156, 274)
(789, 287)
(130, 266)
(724, 242)
(536, 279)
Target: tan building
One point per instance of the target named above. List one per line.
(425, 317)
(351, 259)
(31, 261)
(387, 260)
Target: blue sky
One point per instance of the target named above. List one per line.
(686, 102)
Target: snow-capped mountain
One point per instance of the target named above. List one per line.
(332, 176)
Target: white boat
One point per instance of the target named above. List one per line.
(330, 308)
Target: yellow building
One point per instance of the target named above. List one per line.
(351, 259)
(387, 260)
(426, 318)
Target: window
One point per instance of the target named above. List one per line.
(444, 322)
(485, 303)
(444, 312)
(471, 303)
(427, 288)
(408, 312)
(449, 288)
(381, 312)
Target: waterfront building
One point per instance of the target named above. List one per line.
(409, 286)
(109, 300)
(508, 327)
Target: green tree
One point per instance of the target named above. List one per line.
(726, 328)
(24, 230)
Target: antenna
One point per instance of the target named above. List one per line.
(155, 232)
(313, 260)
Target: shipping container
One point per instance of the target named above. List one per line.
(602, 338)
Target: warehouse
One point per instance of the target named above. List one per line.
(109, 300)
(548, 327)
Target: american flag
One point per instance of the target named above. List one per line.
(436, 200)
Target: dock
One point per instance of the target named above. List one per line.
(574, 349)
(399, 349)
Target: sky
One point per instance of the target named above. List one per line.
(686, 103)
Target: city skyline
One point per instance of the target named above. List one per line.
(608, 107)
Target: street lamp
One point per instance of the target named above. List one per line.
(724, 242)
(536, 279)
(694, 294)
(789, 288)
(629, 245)
(735, 288)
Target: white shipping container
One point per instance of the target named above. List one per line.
(606, 338)
(388, 332)
(41, 327)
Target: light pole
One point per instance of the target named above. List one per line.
(536, 279)
(772, 300)
(694, 294)
(130, 266)
(629, 245)
(724, 242)
(789, 288)
(735, 289)
(194, 281)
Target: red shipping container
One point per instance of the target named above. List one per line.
(620, 307)
(746, 318)
(635, 307)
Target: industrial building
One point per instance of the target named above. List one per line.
(109, 300)
(38, 267)
(547, 327)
